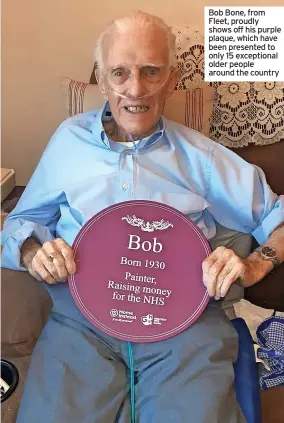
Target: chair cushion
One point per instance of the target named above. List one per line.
(25, 308)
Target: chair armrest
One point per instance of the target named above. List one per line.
(25, 308)
(268, 293)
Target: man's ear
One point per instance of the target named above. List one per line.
(173, 80)
(101, 83)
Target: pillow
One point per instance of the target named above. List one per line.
(247, 113)
(191, 107)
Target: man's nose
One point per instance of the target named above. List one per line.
(136, 86)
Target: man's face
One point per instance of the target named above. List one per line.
(134, 50)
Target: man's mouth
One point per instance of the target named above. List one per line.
(136, 109)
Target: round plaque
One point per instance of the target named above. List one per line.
(139, 271)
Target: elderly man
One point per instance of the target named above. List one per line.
(128, 151)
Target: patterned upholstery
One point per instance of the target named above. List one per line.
(80, 97)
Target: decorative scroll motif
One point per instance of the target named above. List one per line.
(147, 226)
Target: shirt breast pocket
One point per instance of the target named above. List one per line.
(187, 203)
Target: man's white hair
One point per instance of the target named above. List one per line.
(137, 19)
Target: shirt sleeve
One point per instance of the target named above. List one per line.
(37, 211)
(240, 196)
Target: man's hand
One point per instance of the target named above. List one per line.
(51, 263)
(224, 267)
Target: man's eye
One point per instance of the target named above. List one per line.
(118, 72)
(151, 71)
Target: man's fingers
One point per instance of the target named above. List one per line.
(221, 277)
(231, 272)
(211, 269)
(236, 272)
(68, 255)
(39, 268)
(213, 276)
(220, 252)
(53, 261)
(35, 274)
(61, 256)
(48, 264)
(60, 265)
(215, 269)
(206, 265)
(229, 280)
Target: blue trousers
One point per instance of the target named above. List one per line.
(80, 375)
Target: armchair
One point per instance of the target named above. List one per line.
(26, 304)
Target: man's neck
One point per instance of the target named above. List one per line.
(118, 134)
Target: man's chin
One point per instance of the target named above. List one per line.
(137, 124)
(137, 132)
(136, 129)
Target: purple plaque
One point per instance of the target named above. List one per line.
(139, 271)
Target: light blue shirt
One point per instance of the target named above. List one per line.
(81, 172)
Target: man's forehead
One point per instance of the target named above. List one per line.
(143, 46)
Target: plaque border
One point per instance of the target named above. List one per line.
(100, 325)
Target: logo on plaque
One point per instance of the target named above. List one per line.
(139, 271)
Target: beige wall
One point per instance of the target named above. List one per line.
(44, 40)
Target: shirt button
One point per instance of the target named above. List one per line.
(124, 186)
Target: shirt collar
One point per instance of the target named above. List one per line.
(105, 114)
